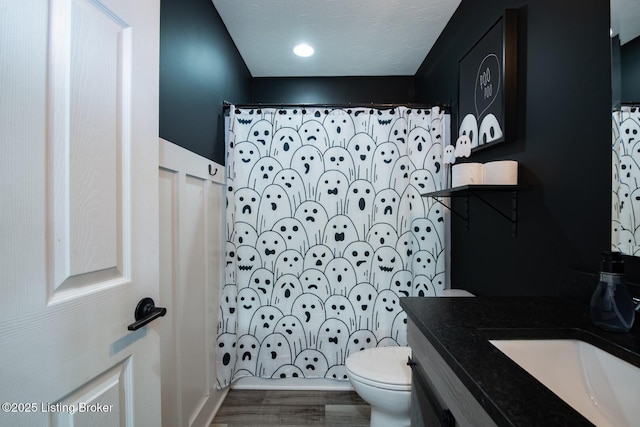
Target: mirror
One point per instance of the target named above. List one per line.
(625, 49)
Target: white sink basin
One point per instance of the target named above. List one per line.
(601, 387)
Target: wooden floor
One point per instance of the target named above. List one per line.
(249, 408)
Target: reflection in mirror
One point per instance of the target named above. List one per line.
(625, 129)
(625, 214)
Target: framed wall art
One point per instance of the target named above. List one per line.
(487, 84)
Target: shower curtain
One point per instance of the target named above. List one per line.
(326, 229)
(625, 209)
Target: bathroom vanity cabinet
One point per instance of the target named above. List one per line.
(455, 367)
(438, 397)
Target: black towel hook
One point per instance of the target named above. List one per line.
(214, 172)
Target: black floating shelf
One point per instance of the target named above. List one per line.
(476, 190)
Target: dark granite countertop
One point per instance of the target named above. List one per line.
(459, 329)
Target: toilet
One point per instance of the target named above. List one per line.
(382, 378)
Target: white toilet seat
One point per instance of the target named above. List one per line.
(378, 384)
(382, 367)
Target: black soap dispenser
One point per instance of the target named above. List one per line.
(611, 304)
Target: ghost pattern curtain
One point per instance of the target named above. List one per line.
(625, 180)
(326, 229)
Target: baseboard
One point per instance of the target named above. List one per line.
(210, 409)
(254, 383)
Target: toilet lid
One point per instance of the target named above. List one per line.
(386, 365)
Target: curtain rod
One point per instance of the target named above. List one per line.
(226, 105)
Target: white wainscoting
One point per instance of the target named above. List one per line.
(191, 272)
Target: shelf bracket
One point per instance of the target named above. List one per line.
(465, 216)
(464, 190)
(513, 218)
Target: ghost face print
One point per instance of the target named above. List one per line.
(340, 273)
(339, 307)
(293, 234)
(270, 245)
(406, 246)
(247, 205)
(309, 163)
(411, 206)
(333, 337)
(248, 260)
(274, 205)
(292, 183)
(248, 303)
(317, 257)
(228, 308)
(399, 134)
(380, 124)
(260, 135)
(314, 281)
(246, 155)
(629, 134)
(361, 148)
(362, 298)
(402, 283)
(424, 181)
(289, 262)
(245, 234)
(419, 143)
(386, 262)
(339, 159)
(360, 254)
(262, 281)
(274, 353)
(285, 142)
(359, 340)
(360, 203)
(285, 290)
(426, 235)
(338, 233)
(385, 208)
(309, 309)
(386, 308)
(264, 321)
(312, 363)
(291, 327)
(340, 128)
(382, 234)
(313, 217)
(247, 353)
(384, 159)
(402, 170)
(314, 134)
(332, 192)
(226, 350)
(263, 173)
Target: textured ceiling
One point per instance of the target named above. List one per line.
(350, 37)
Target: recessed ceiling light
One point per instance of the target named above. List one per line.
(303, 50)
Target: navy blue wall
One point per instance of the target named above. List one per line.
(630, 66)
(199, 68)
(333, 90)
(562, 145)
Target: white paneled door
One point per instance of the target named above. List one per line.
(78, 212)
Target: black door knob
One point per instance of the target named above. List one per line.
(146, 311)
